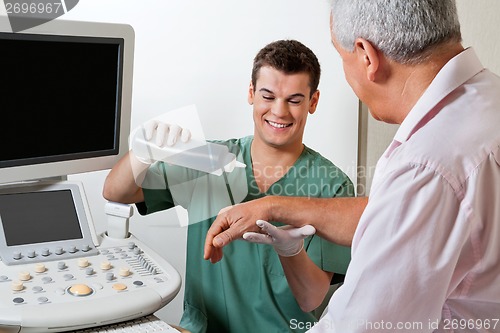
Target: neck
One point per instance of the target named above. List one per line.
(265, 154)
(409, 82)
(270, 163)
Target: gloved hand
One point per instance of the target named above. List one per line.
(155, 134)
(287, 241)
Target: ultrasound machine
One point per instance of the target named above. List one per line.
(65, 101)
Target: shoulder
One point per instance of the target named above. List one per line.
(318, 169)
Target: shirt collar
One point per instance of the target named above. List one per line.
(455, 72)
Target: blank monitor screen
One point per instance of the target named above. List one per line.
(60, 97)
(39, 217)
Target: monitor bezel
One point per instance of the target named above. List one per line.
(89, 237)
(51, 169)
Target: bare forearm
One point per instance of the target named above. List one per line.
(308, 282)
(335, 219)
(121, 184)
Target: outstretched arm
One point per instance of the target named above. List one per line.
(335, 219)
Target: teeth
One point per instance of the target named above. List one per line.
(273, 124)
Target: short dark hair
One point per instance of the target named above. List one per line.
(290, 57)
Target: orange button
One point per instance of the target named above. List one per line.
(80, 290)
(119, 286)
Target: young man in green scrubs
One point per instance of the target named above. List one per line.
(253, 289)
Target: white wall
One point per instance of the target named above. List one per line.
(481, 30)
(199, 51)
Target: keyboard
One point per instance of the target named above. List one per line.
(148, 324)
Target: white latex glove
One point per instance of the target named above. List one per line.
(288, 241)
(156, 134)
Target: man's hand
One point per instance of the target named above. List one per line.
(231, 223)
(286, 240)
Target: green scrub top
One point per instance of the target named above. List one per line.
(246, 292)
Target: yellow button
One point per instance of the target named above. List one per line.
(105, 265)
(40, 268)
(83, 262)
(17, 286)
(24, 276)
(119, 286)
(80, 290)
(124, 271)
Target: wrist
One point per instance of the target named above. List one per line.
(270, 208)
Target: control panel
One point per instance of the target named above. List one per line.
(78, 279)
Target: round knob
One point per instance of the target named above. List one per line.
(59, 250)
(61, 265)
(105, 265)
(68, 277)
(124, 271)
(80, 290)
(110, 276)
(83, 262)
(72, 249)
(86, 248)
(16, 255)
(45, 252)
(24, 276)
(131, 245)
(47, 279)
(40, 268)
(17, 286)
(31, 254)
(42, 299)
(89, 271)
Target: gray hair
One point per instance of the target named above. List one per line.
(406, 31)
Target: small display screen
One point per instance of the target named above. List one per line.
(39, 217)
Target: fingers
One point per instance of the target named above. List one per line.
(225, 238)
(174, 132)
(149, 128)
(162, 130)
(166, 134)
(259, 238)
(302, 232)
(267, 227)
(185, 135)
(215, 256)
(218, 226)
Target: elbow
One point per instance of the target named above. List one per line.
(310, 304)
(308, 307)
(110, 193)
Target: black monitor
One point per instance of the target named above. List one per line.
(65, 98)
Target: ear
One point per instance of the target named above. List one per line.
(314, 102)
(250, 93)
(368, 56)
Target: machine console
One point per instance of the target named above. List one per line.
(58, 275)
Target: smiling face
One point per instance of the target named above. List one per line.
(281, 103)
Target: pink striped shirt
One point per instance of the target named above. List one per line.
(426, 253)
